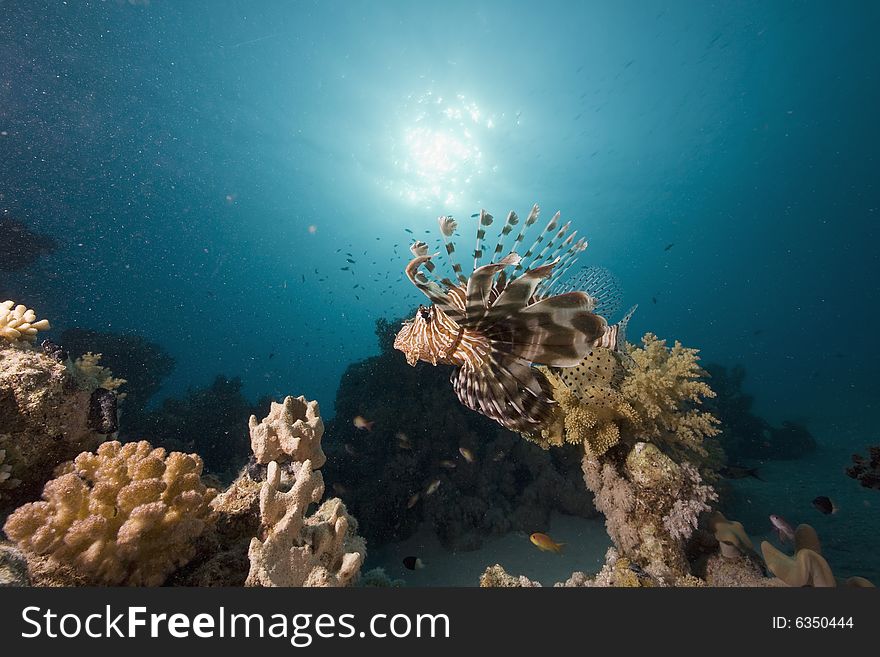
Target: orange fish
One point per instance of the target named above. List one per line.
(545, 543)
(467, 454)
(361, 423)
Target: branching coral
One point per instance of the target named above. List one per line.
(89, 366)
(322, 549)
(664, 386)
(291, 432)
(19, 324)
(127, 514)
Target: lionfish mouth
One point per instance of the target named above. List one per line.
(508, 315)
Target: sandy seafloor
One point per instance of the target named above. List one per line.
(849, 537)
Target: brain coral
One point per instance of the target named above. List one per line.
(127, 514)
(19, 323)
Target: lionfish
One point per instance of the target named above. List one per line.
(508, 315)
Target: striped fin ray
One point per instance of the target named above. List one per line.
(448, 226)
(531, 219)
(507, 390)
(565, 263)
(542, 256)
(479, 288)
(558, 331)
(419, 249)
(549, 228)
(615, 336)
(429, 288)
(512, 220)
(485, 222)
(516, 295)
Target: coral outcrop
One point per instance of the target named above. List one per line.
(19, 323)
(291, 432)
(866, 470)
(127, 514)
(297, 549)
(46, 418)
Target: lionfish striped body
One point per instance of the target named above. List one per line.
(493, 326)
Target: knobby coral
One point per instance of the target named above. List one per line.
(127, 514)
(291, 432)
(19, 324)
(322, 549)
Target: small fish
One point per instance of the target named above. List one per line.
(361, 423)
(475, 215)
(668, 246)
(403, 440)
(432, 487)
(413, 563)
(351, 260)
(783, 529)
(467, 454)
(303, 278)
(739, 472)
(446, 463)
(408, 230)
(825, 505)
(545, 543)
(339, 489)
(654, 299)
(271, 355)
(412, 501)
(345, 268)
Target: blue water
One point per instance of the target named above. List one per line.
(206, 166)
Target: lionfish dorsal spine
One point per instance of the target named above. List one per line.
(565, 263)
(549, 228)
(485, 221)
(447, 228)
(512, 220)
(531, 219)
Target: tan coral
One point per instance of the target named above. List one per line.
(128, 514)
(291, 432)
(44, 414)
(664, 386)
(322, 549)
(89, 367)
(496, 577)
(19, 324)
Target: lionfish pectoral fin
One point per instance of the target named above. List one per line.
(508, 390)
(519, 291)
(479, 287)
(429, 288)
(558, 331)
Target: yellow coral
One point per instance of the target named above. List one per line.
(89, 366)
(127, 514)
(19, 323)
(663, 385)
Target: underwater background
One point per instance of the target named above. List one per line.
(238, 184)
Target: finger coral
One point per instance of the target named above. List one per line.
(807, 567)
(127, 514)
(291, 432)
(19, 323)
(322, 549)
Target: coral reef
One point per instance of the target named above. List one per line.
(127, 514)
(20, 247)
(866, 469)
(19, 323)
(747, 436)
(291, 432)
(45, 418)
(496, 577)
(13, 567)
(807, 567)
(322, 549)
(384, 474)
(142, 363)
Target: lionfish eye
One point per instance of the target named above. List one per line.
(425, 313)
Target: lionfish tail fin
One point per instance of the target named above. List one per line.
(509, 391)
(620, 341)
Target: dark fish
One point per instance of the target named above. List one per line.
(739, 472)
(825, 505)
(413, 563)
(408, 230)
(272, 355)
(345, 268)
(474, 216)
(349, 260)
(303, 278)
(654, 299)
(669, 246)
